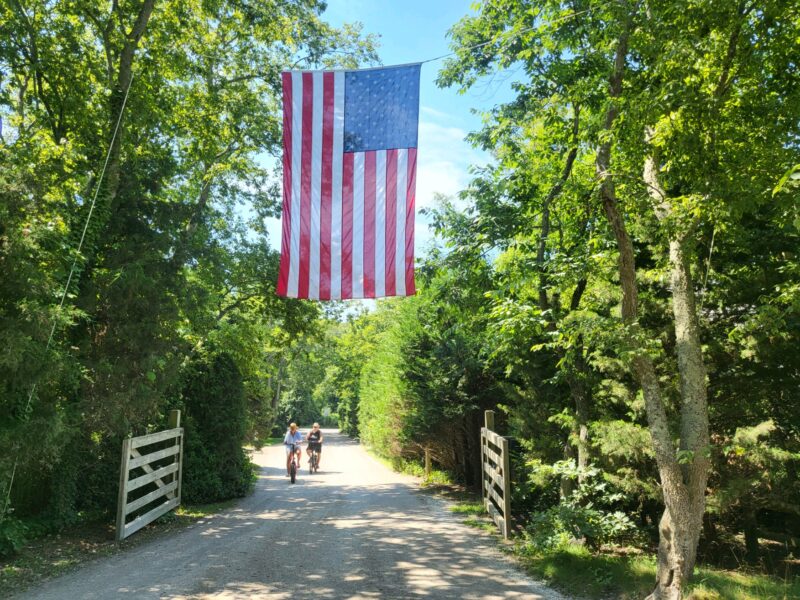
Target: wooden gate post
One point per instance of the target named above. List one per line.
(427, 463)
(506, 487)
(174, 423)
(122, 499)
(489, 417)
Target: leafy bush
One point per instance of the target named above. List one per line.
(216, 466)
(568, 521)
(588, 514)
(12, 535)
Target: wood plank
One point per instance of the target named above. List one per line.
(148, 498)
(122, 497)
(147, 468)
(496, 458)
(483, 464)
(150, 516)
(135, 484)
(180, 469)
(498, 519)
(146, 459)
(146, 440)
(492, 493)
(497, 478)
(492, 436)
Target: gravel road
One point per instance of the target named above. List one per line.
(353, 530)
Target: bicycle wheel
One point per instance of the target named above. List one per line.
(293, 472)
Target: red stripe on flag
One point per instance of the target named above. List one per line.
(326, 203)
(305, 184)
(286, 232)
(412, 184)
(347, 226)
(391, 222)
(369, 224)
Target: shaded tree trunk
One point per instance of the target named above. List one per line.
(579, 390)
(278, 380)
(568, 485)
(751, 536)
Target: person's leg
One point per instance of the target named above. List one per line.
(288, 460)
(319, 455)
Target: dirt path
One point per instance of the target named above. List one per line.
(353, 530)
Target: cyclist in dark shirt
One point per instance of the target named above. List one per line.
(314, 439)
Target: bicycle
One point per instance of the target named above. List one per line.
(293, 464)
(314, 460)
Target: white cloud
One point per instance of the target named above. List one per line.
(443, 160)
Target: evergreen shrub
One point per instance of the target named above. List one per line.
(216, 467)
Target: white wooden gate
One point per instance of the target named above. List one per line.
(150, 477)
(496, 476)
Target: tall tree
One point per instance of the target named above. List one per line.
(664, 166)
(175, 253)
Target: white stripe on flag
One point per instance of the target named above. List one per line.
(380, 223)
(297, 149)
(336, 209)
(400, 236)
(358, 225)
(316, 188)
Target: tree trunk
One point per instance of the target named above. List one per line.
(568, 484)
(683, 476)
(688, 498)
(124, 78)
(580, 396)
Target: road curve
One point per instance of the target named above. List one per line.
(354, 530)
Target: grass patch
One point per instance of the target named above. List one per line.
(577, 571)
(714, 584)
(417, 469)
(481, 524)
(55, 554)
(468, 508)
(410, 467)
(200, 511)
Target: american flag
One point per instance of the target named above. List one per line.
(349, 175)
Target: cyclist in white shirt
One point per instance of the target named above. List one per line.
(293, 436)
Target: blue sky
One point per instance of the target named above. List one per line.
(415, 31)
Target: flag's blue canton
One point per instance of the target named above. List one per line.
(381, 108)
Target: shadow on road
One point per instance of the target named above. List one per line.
(365, 533)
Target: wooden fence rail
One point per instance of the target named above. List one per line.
(151, 470)
(496, 476)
